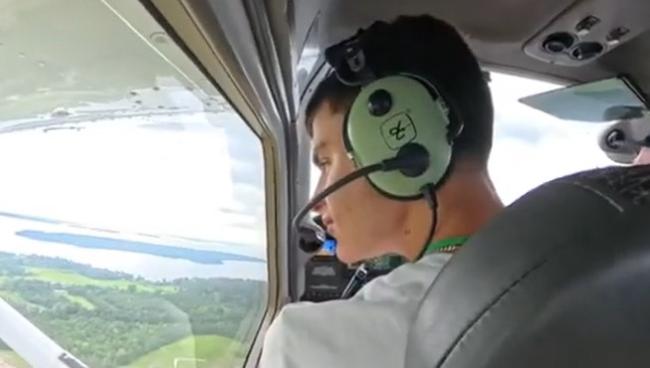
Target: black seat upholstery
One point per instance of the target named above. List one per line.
(560, 279)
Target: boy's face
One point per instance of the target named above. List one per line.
(363, 222)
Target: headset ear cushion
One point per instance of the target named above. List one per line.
(456, 127)
(346, 138)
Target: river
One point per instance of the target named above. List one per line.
(149, 266)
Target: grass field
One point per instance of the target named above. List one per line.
(12, 359)
(79, 300)
(193, 352)
(73, 278)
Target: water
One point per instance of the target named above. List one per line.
(149, 266)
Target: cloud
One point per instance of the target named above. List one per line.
(171, 126)
(512, 127)
(119, 176)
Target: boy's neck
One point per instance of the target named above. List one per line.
(466, 203)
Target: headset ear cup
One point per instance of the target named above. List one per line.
(415, 116)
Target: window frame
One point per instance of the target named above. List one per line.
(197, 30)
(200, 53)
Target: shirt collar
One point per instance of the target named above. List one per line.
(444, 243)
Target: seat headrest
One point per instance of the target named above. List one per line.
(560, 279)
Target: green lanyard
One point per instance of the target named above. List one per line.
(444, 243)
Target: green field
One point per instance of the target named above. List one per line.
(79, 300)
(109, 319)
(72, 278)
(13, 297)
(12, 359)
(193, 352)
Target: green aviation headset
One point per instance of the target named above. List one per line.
(399, 130)
(394, 114)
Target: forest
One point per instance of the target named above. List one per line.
(111, 319)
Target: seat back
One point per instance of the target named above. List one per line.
(560, 279)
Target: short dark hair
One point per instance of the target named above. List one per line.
(434, 50)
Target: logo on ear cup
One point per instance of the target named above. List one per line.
(398, 131)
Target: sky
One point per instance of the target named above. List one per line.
(192, 175)
(195, 176)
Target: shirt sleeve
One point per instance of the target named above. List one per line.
(351, 332)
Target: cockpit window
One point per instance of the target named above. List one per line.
(531, 147)
(132, 207)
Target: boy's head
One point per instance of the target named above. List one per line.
(366, 223)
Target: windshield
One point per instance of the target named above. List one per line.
(132, 211)
(531, 147)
